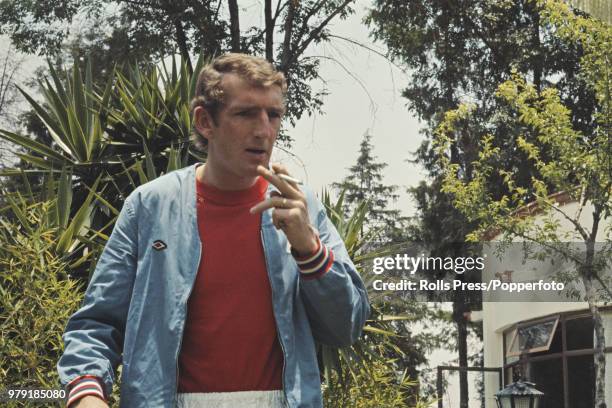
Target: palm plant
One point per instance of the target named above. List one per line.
(378, 339)
(74, 241)
(108, 139)
(116, 135)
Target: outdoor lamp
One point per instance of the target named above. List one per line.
(519, 394)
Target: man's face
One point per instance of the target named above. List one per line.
(246, 127)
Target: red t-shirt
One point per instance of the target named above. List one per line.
(230, 341)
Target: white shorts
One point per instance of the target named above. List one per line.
(239, 399)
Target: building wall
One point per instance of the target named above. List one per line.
(499, 316)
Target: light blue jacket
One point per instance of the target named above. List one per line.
(135, 305)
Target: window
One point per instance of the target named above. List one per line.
(556, 353)
(532, 337)
(578, 330)
(548, 378)
(581, 381)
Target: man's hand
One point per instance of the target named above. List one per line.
(290, 212)
(89, 401)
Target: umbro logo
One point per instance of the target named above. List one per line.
(159, 245)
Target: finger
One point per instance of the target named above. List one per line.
(286, 187)
(278, 224)
(276, 202)
(283, 174)
(281, 218)
(278, 168)
(283, 186)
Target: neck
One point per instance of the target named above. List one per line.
(223, 180)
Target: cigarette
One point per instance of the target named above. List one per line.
(290, 179)
(286, 177)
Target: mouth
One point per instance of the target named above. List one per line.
(257, 152)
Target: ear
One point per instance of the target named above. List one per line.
(203, 122)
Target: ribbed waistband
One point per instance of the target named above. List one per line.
(239, 399)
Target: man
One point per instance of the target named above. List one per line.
(217, 278)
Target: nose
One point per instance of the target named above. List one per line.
(263, 126)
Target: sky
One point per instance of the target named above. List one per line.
(364, 96)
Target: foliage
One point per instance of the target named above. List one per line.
(37, 293)
(455, 54)
(107, 140)
(375, 385)
(125, 32)
(568, 160)
(388, 340)
(36, 298)
(349, 228)
(91, 126)
(364, 184)
(359, 245)
(10, 64)
(75, 242)
(9, 68)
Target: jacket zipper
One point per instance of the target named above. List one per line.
(278, 336)
(178, 351)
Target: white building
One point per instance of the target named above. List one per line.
(554, 338)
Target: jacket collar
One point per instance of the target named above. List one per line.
(190, 174)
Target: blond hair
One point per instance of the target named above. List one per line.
(209, 91)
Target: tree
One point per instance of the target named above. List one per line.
(567, 158)
(128, 39)
(455, 53)
(148, 31)
(9, 67)
(389, 345)
(364, 184)
(8, 93)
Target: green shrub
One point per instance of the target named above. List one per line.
(375, 384)
(36, 299)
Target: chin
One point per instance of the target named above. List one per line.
(251, 171)
(263, 162)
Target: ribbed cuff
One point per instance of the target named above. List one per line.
(314, 265)
(82, 386)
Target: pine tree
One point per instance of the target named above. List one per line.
(364, 183)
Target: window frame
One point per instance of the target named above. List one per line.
(521, 325)
(563, 355)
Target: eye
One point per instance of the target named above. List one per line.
(274, 114)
